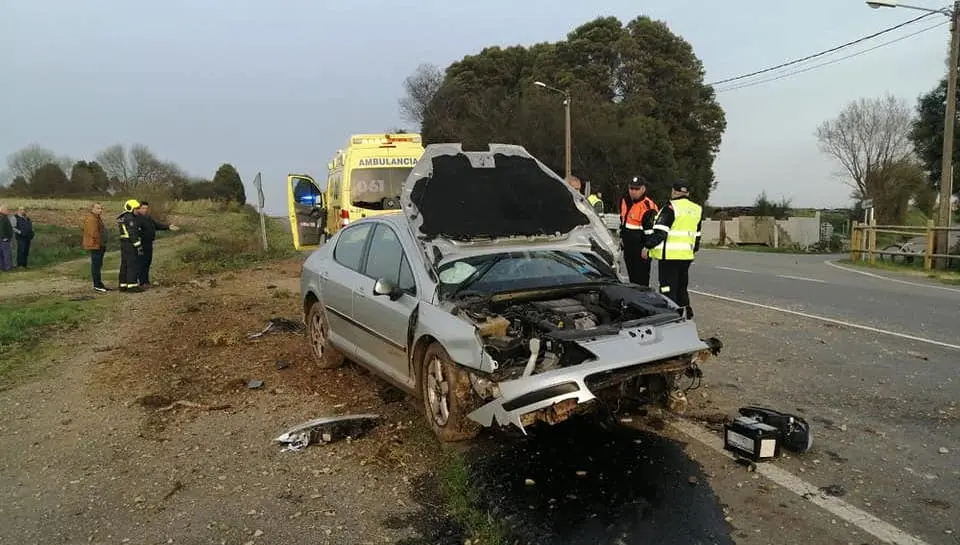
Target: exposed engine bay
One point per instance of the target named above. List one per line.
(537, 332)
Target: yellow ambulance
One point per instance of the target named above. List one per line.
(364, 179)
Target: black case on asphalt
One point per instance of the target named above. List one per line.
(751, 439)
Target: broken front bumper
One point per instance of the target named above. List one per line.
(562, 390)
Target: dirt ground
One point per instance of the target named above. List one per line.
(90, 455)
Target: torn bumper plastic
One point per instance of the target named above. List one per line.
(636, 351)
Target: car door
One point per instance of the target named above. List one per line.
(338, 282)
(383, 321)
(305, 208)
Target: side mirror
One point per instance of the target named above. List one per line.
(386, 287)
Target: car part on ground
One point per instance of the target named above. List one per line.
(327, 429)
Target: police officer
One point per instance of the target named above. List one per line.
(675, 240)
(596, 201)
(130, 246)
(637, 212)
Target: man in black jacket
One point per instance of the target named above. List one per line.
(23, 230)
(148, 233)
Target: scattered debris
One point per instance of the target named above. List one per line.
(529, 482)
(836, 457)
(834, 490)
(282, 364)
(191, 404)
(177, 486)
(917, 355)
(279, 325)
(254, 384)
(944, 450)
(389, 394)
(327, 430)
(939, 504)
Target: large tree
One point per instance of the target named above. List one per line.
(227, 185)
(927, 134)
(639, 105)
(870, 138)
(50, 181)
(27, 161)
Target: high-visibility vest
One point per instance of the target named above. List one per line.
(632, 213)
(595, 202)
(682, 235)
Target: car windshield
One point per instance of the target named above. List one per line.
(377, 188)
(492, 273)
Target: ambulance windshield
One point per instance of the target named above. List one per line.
(377, 188)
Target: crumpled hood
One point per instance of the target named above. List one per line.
(459, 199)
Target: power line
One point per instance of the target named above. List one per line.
(824, 52)
(833, 61)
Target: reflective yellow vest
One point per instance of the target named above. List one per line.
(595, 202)
(682, 235)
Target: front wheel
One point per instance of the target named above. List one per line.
(318, 330)
(446, 391)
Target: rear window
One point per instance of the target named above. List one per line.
(377, 188)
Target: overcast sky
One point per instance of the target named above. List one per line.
(278, 86)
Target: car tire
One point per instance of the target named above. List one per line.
(446, 390)
(324, 354)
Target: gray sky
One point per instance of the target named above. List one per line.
(278, 87)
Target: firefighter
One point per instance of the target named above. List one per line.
(637, 212)
(130, 247)
(674, 242)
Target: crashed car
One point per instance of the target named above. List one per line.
(496, 295)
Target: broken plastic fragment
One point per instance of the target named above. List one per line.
(327, 429)
(253, 384)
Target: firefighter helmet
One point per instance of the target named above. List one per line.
(131, 205)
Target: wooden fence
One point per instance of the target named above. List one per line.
(863, 242)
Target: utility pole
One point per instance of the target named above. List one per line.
(946, 174)
(942, 241)
(568, 146)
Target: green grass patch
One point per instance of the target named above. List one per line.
(27, 322)
(910, 269)
(53, 244)
(462, 502)
(237, 244)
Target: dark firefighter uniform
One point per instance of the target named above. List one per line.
(148, 234)
(674, 242)
(637, 213)
(130, 246)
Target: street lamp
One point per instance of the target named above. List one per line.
(946, 167)
(568, 145)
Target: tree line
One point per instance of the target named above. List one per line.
(35, 171)
(639, 105)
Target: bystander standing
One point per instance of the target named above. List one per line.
(6, 239)
(23, 231)
(95, 242)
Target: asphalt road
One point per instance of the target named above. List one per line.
(807, 284)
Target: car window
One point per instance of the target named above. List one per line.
(349, 250)
(522, 270)
(305, 192)
(387, 260)
(406, 281)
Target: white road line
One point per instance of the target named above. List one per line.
(830, 320)
(883, 531)
(805, 279)
(887, 278)
(733, 269)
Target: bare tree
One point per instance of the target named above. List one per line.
(420, 88)
(138, 167)
(27, 161)
(114, 163)
(868, 136)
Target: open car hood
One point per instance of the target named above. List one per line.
(457, 201)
